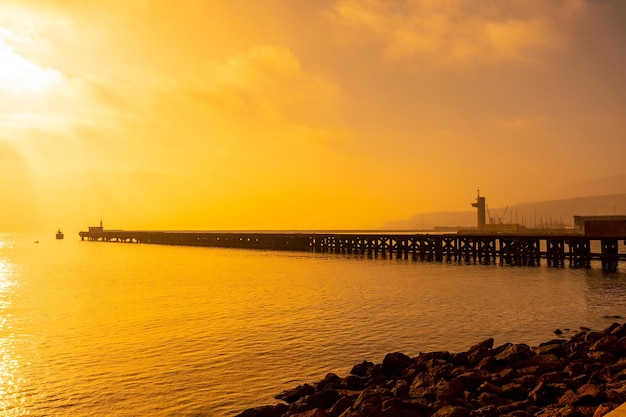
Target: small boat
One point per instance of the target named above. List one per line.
(59, 234)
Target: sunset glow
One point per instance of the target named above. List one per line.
(334, 114)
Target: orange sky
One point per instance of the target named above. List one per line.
(285, 114)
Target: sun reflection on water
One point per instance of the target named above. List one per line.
(10, 387)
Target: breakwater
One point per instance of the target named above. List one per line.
(582, 376)
(511, 249)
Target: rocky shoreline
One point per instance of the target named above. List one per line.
(583, 376)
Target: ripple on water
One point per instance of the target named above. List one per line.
(107, 329)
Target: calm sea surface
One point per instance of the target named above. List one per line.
(113, 329)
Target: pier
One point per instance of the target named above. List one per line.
(522, 249)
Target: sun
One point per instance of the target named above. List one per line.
(19, 74)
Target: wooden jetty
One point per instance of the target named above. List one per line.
(575, 250)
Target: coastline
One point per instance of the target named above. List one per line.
(583, 376)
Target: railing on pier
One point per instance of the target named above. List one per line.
(506, 249)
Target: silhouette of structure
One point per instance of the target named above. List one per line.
(467, 247)
(480, 205)
(604, 225)
(96, 229)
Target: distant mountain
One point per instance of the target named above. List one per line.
(529, 214)
(596, 187)
(428, 221)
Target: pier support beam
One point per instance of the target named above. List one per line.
(609, 255)
(579, 253)
(555, 252)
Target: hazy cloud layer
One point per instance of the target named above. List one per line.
(238, 114)
(449, 33)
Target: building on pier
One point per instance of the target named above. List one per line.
(601, 226)
(96, 229)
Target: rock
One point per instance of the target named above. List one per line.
(429, 356)
(489, 387)
(371, 399)
(568, 397)
(590, 394)
(394, 362)
(488, 398)
(604, 409)
(616, 392)
(452, 411)
(401, 389)
(507, 375)
(620, 376)
(395, 403)
(353, 382)
(265, 411)
(544, 363)
(528, 381)
(516, 406)
(486, 411)
(487, 363)
(485, 344)
(606, 344)
(322, 399)
(547, 393)
(362, 368)
(593, 337)
(330, 381)
(514, 391)
(340, 406)
(424, 379)
(471, 380)
(555, 349)
(619, 331)
(552, 377)
(312, 413)
(418, 405)
(385, 412)
(517, 413)
(514, 353)
(570, 411)
(443, 391)
(296, 393)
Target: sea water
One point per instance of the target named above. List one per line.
(122, 329)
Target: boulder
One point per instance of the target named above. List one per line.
(514, 353)
(330, 381)
(362, 368)
(395, 362)
(312, 413)
(452, 411)
(265, 411)
(296, 393)
(590, 394)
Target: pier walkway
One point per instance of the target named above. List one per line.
(509, 249)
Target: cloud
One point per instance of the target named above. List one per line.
(449, 33)
(34, 94)
(265, 82)
(522, 123)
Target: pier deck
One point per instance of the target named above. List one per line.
(510, 249)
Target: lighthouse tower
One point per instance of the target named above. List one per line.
(480, 205)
